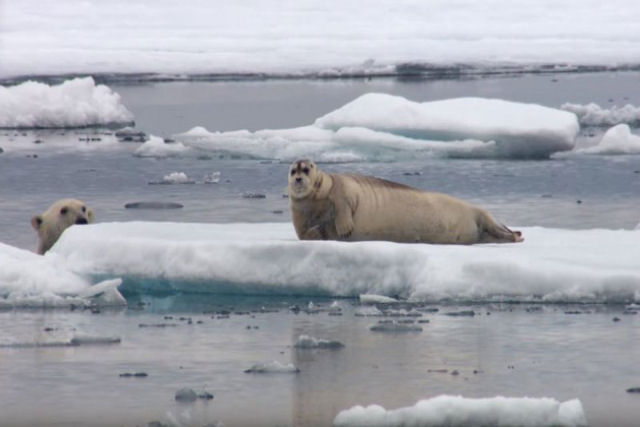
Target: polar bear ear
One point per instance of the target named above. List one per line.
(36, 222)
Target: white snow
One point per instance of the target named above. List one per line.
(617, 140)
(383, 127)
(593, 115)
(75, 103)
(157, 147)
(554, 265)
(309, 36)
(457, 411)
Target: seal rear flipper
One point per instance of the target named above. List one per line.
(493, 232)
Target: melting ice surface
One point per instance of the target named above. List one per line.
(552, 265)
(457, 411)
(74, 103)
(382, 127)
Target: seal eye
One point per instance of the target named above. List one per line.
(306, 171)
(293, 172)
(64, 211)
(84, 209)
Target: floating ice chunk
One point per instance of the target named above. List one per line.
(77, 102)
(274, 367)
(308, 342)
(519, 130)
(385, 127)
(186, 395)
(104, 294)
(617, 140)
(175, 178)
(376, 299)
(212, 178)
(157, 147)
(593, 115)
(454, 411)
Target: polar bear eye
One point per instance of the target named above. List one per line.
(64, 211)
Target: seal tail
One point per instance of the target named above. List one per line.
(493, 232)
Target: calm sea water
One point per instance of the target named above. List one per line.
(518, 352)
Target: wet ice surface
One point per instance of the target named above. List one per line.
(558, 351)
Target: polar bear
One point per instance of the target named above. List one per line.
(60, 216)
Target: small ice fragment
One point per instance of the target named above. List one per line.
(212, 178)
(253, 195)
(395, 327)
(186, 395)
(153, 205)
(94, 340)
(308, 342)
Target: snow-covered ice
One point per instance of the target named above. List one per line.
(593, 115)
(31, 280)
(175, 178)
(376, 299)
(617, 140)
(553, 265)
(457, 411)
(310, 38)
(377, 126)
(75, 103)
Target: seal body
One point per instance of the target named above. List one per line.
(355, 208)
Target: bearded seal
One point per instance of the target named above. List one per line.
(356, 208)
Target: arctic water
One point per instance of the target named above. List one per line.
(563, 350)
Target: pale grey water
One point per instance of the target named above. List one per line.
(553, 354)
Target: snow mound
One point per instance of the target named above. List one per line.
(593, 115)
(457, 411)
(617, 140)
(75, 103)
(380, 127)
(552, 265)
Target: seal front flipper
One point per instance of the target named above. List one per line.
(344, 221)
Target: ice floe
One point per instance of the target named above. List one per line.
(593, 115)
(31, 280)
(75, 103)
(617, 140)
(385, 127)
(457, 411)
(552, 265)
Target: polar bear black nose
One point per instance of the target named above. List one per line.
(82, 221)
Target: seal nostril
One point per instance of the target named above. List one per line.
(82, 221)
(298, 179)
